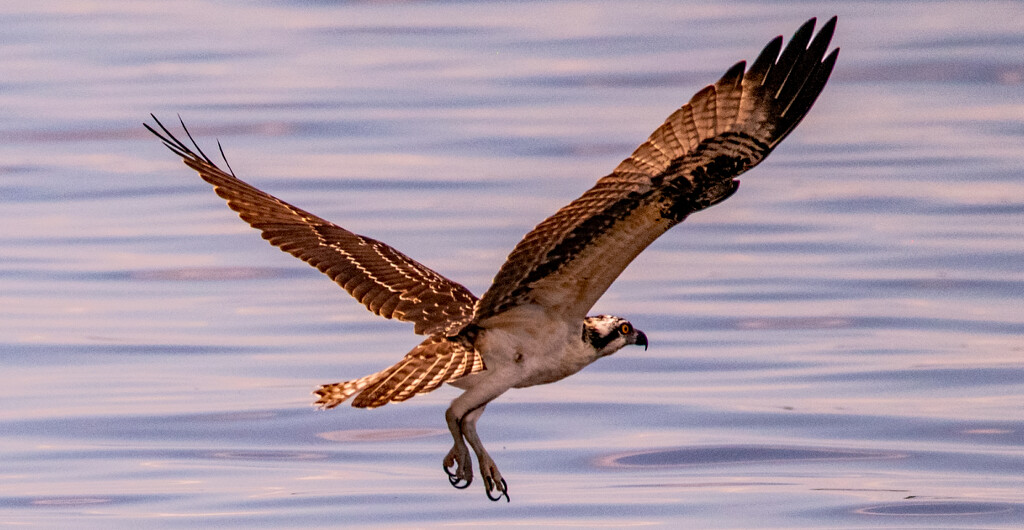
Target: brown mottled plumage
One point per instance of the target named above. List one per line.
(687, 164)
(387, 282)
(530, 327)
(434, 362)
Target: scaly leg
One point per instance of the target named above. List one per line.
(458, 456)
(488, 469)
(461, 416)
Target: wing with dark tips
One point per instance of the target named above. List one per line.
(689, 163)
(383, 279)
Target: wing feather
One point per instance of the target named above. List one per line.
(383, 279)
(729, 93)
(689, 163)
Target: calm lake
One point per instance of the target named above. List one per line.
(841, 344)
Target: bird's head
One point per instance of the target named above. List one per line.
(608, 334)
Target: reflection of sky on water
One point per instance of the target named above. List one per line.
(861, 294)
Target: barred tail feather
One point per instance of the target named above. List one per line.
(437, 360)
(335, 394)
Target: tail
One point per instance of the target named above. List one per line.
(437, 360)
(335, 394)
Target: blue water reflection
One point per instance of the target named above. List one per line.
(838, 345)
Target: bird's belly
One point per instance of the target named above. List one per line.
(554, 363)
(533, 351)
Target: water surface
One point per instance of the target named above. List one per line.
(840, 344)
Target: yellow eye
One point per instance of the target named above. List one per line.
(625, 329)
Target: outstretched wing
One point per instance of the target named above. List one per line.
(435, 361)
(383, 279)
(689, 163)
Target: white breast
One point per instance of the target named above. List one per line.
(533, 347)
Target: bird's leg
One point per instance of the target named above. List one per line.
(461, 417)
(488, 469)
(459, 455)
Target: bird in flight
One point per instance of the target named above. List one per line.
(531, 326)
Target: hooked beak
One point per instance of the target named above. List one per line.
(641, 339)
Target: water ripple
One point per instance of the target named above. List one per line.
(732, 454)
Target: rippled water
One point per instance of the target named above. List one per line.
(840, 344)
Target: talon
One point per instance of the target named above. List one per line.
(454, 479)
(502, 491)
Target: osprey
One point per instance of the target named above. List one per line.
(531, 326)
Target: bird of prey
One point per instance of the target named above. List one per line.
(531, 326)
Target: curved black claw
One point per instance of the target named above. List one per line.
(502, 491)
(454, 479)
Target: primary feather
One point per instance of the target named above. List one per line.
(689, 163)
(530, 327)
